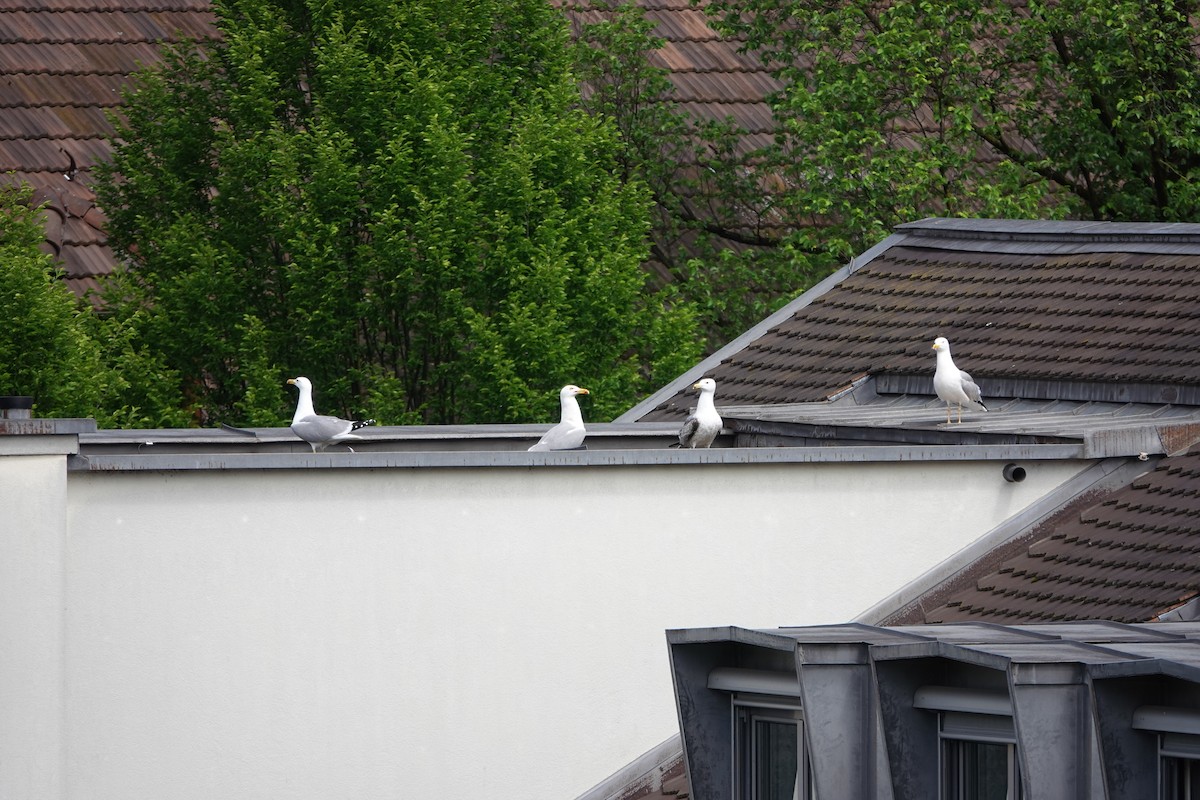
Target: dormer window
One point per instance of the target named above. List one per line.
(977, 748)
(1178, 732)
(769, 753)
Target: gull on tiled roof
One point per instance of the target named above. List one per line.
(1032, 309)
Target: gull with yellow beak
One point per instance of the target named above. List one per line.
(952, 385)
(318, 430)
(569, 432)
(704, 423)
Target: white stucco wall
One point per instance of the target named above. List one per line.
(417, 633)
(33, 512)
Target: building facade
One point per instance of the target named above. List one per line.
(955, 712)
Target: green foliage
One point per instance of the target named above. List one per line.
(715, 228)
(140, 390)
(45, 348)
(403, 202)
(54, 347)
(897, 111)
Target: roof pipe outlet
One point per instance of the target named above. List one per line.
(16, 406)
(1013, 473)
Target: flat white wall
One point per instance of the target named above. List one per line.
(33, 512)
(418, 633)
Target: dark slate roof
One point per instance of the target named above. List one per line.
(1106, 648)
(1066, 310)
(1132, 556)
(62, 66)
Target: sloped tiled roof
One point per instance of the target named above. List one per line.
(62, 66)
(1130, 557)
(1027, 307)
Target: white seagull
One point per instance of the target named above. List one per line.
(704, 423)
(953, 385)
(569, 432)
(318, 430)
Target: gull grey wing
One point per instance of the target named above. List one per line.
(320, 428)
(970, 388)
(688, 432)
(560, 437)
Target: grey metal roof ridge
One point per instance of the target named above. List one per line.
(1051, 230)
(728, 633)
(154, 462)
(1051, 246)
(530, 431)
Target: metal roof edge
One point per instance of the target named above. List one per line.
(1101, 476)
(1093, 233)
(697, 372)
(1142, 667)
(730, 633)
(376, 433)
(475, 459)
(641, 768)
(937, 648)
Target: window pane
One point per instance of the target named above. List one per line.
(1181, 779)
(775, 760)
(979, 771)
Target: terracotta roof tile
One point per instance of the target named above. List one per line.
(62, 66)
(712, 79)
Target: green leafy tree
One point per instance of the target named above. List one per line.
(402, 201)
(45, 349)
(1052, 108)
(54, 347)
(717, 234)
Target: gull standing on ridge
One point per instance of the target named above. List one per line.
(318, 430)
(702, 425)
(952, 384)
(569, 432)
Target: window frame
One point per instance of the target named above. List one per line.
(957, 729)
(746, 711)
(1182, 751)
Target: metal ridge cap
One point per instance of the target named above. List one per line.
(1062, 231)
(155, 462)
(376, 433)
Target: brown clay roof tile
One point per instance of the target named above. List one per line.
(1130, 557)
(62, 66)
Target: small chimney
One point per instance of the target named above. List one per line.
(16, 406)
